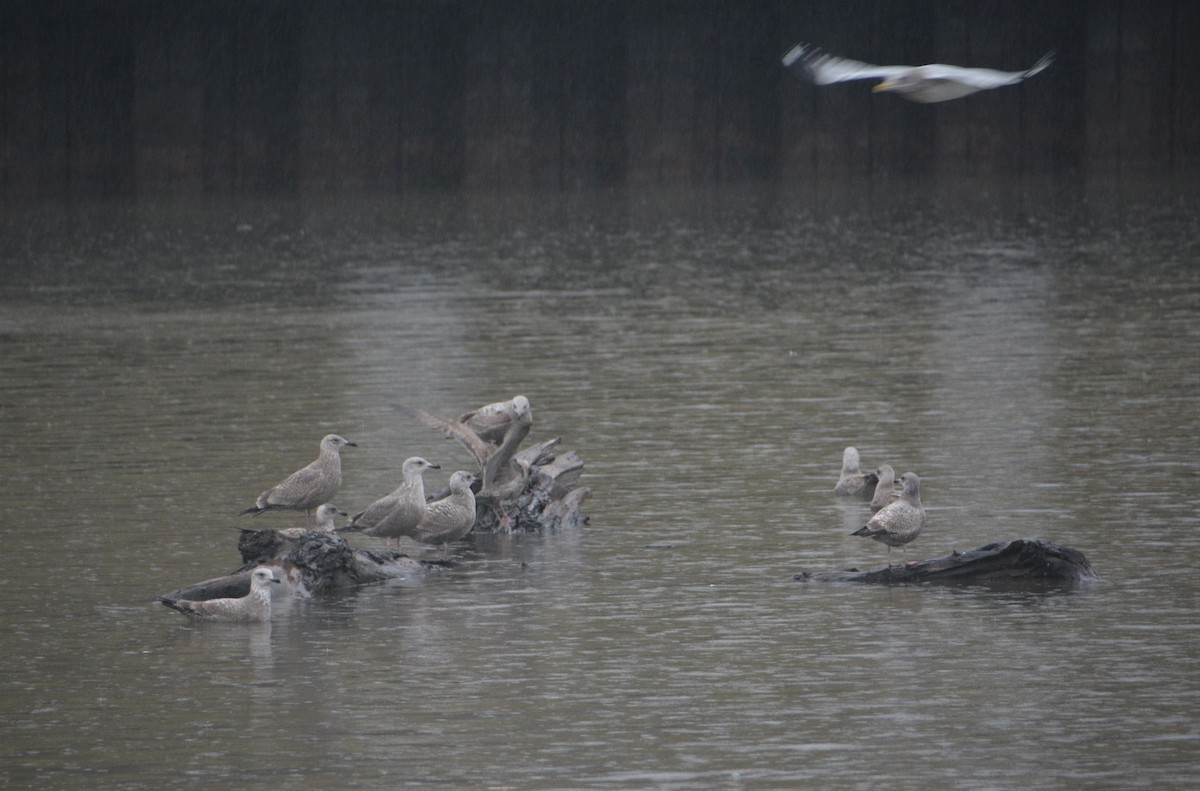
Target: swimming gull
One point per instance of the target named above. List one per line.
(935, 82)
(885, 490)
(450, 518)
(310, 487)
(399, 512)
(853, 480)
(899, 523)
(255, 606)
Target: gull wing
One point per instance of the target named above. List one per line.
(824, 69)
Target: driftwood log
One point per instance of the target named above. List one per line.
(312, 561)
(550, 498)
(1022, 562)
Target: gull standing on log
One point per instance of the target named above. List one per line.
(399, 512)
(305, 489)
(853, 480)
(254, 607)
(899, 523)
(885, 490)
(450, 518)
(506, 421)
(935, 82)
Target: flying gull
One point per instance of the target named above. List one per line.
(935, 82)
(310, 487)
(255, 606)
(899, 523)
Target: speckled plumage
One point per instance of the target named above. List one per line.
(885, 489)
(450, 518)
(853, 480)
(491, 422)
(399, 512)
(307, 488)
(254, 607)
(899, 523)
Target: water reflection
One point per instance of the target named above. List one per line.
(709, 356)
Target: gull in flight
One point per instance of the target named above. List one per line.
(935, 82)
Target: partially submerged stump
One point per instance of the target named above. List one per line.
(550, 498)
(1020, 562)
(308, 562)
(312, 561)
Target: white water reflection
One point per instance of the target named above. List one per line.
(709, 357)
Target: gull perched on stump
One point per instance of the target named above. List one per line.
(305, 489)
(899, 523)
(935, 82)
(397, 513)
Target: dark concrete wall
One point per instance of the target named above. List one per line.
(151, 97)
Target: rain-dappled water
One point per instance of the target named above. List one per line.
(1034, 357)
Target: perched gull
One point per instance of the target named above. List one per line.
(898, 523)
(885, 490)
(310, 487)
(495, 460)
(327, 516)
(399, 512)
(491, 422)
(853, 480)
(450, 518)
(255, 606)
(935, 82)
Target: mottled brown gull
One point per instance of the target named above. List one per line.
(490, 423)
(255, 606)
(885, 489)
(935, 82)
(450, 518)
(399, 512)
(853, 481)
(899, 523)
(495, 461)
(305, 489)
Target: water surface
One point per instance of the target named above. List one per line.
(1032, 354)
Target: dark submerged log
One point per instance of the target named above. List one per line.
(311, 562)
(1020, 562)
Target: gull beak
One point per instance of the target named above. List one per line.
(886, 85)
(433, 466)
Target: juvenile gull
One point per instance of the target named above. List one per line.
(935, 82)
(495, 461)
(255, 606)
(490, 423)
(310, 487)
(327, 516)
(885, 490)
(450, 518)
(399, 512)
(899, 523)
(853, 480)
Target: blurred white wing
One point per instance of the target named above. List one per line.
(825, 69)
